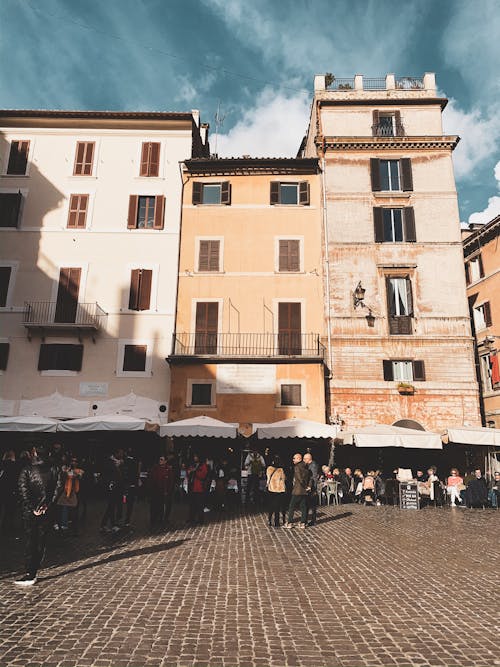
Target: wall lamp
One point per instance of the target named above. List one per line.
(359, 296)
(489, 341)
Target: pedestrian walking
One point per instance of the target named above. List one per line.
(197, 480)
(312, 496)
(300, 489)
(40, 484)
(161, 486)
(113, 485)
(276, 491)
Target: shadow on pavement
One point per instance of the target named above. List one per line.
(334, 517)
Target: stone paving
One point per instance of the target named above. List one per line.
(370, 586)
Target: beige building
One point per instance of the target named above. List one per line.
(482, 270)
(397, 315)
(250, 311)
(90, 208)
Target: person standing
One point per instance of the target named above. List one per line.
(40, 484)
(477, 490)
(312, 496)
(197, 481)
(161, 482)
(276, 488)
(255, 466)
(113, 485)
(300, 489)
(131, 472)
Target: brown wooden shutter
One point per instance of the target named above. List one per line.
(409, 296)
(67, 294)
(77, 215)
(134, 358)
(5, 272)
(4, 355)
(487, 313)
(376, 121)
(144, 169)
(481, 267)
(84, 158)
(409, 223)
(154, 159)
(18, 158)
(214, 256)
(467, 273)
(225, 193)
(275, 192)
(159, 212)
(133, 204)
(10, 205)
(406, 174)
(289, 328)
(74, 357)
(388, 370)
(207, 324)
(304, 197)
(419, 371)
(375, 174)
(291, 394)
(289, 255)
(89, 158)
(133, 301)
(197, 192)
(203, 256)
(398, 132)
(391, 311)
(378, 221)
(44, 357)
(145, 282)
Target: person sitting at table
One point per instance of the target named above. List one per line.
(347, 485)
(358, 484)
(368, 494)
(426, 485)
(326, 473)
(494, 492)
(476, 494)
(454, 484)
(379, 488)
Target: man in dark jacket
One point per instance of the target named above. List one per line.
(312, 496)
(300, 489)
(40, 485)
(476, 493)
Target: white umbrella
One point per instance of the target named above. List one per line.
(295, 428)
(29, 423)
(474, 435)
(103, 423)
(384, 435)
(202, 426)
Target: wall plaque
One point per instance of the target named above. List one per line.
(246, 379)
(93, 388)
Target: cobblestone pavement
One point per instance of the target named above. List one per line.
(365, 587)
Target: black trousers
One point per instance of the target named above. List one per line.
(196, 505)
(110, 515)
(276, 506)
(160, 508)
(312, 503)
(36, 529)
(298, 502)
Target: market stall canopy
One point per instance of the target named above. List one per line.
(384, 435)
(295, 428)
(470, 435)
(30, 424)
(203, 427)
(106, 423)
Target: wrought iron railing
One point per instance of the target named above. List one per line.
(341, 84)
(409, 83)
(63, 314)
(388, 130)
(248, 345)
(374, 84)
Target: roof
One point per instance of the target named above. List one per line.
(125, 115)
(480, 237)
(256, 165)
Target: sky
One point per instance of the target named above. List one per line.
(255, 60)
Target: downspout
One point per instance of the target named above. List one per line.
(327, 267)
(183, 182)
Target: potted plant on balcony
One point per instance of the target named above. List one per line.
(406, 389)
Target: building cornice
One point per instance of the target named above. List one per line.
(81, 114)
(242, 166)
(374, 101)
(447, 142)
(480, 237)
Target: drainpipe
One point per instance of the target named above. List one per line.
(327, 267)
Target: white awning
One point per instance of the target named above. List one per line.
(30, 424)
(105, 423)
(474, 435)
(384, 435)
(203, 427)
(295, 428)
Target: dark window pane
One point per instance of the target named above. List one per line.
(288, 193)
(201, 394)
(211, 193)
(387, 225)
(397, 224)
(384, 175)
(134, 358)
(291, 394)
(146, 213)
(394, 172)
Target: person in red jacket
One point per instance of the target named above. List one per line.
(161, 484)
(197, 481)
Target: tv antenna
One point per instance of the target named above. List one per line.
(219, 122)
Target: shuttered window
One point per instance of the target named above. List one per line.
(150, 159)
(77, 215)
(209, 255)
(291, 394)
(482, 316)
(403, 370)
(140, 289)
(60, 357)
(289, 255)
(212, 193)
(4, 355)
(201, 393)
(391, 175)
(146, 212)
(84, 158)
(134, 358)
(18, 158)
(290, 194)
(207, 324)
(10, 205)
(5, 273)
(394, 225)
(289, 329)
(399, 305)
(474, 269)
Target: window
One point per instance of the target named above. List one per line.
(404, 370)
(289, 255)
(60, 356)
(201, 392)
(391, 175)
(68, 291)
(5, 274)
(290, 194)
(140, 289)
(207, 325)
(209, 255)
(10, 206)
(146, 212)
(289, 328)
(387, 124)
(18, 158)
(4, 355)
(134, 358)
(212, 193)
(394, 225)
(399, 305)
(291, 394)
(486, 379)
(474, 269)
(150, 159)
(84, 158)
(482, 316)
(77, 215)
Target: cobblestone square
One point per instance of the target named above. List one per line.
(367, 586)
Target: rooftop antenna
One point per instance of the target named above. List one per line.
(219, 122)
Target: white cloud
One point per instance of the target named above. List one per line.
(493, 208)
(274, 127)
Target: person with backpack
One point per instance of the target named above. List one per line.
(255, 467)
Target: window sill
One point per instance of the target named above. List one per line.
(82, 176)
(15, 175)
(149, 178)
(133, 374)
(201, 407)
(291, 407)
(58, 373)
(209, 273)
(396, 194)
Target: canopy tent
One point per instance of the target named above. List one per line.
(106, 423)
(30, 424)
(384, 435)
(473, 435)
(199, 427)
(295, 428)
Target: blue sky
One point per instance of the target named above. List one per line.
(258, 58)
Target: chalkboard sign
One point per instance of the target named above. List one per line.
(408, 496)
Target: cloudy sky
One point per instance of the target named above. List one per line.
(257, 59)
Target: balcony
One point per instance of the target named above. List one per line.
(56, 315)
(394, 129)
(249, 345)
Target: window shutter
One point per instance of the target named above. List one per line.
(481, 267)
(203, 256)
(154, 159)
(4, 355)
(10, 205)
(77, 215)
(275, 192)
(132, 211)
(134, 358)
(375, 174)
(159, 212)
(388, 372)
(44, 357)
(79, 158)
(406, 174)
(84, 158)
(409, 296)
(89, 158)
(5, 272)
(304, 198)
(495, 369)
(213, 255)
(409, 221)
(419, 371)
(144, 159)
(74, 357)
(399, 127)
(18, 157)
(291, 394)
(467, 273)
(133, 302)
(289, 255)
(391, 306)
(487, 313)
(145, 281)
(376, 121)
(378, 220)
(197, 192)
(225, 193)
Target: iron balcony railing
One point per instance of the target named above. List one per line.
(388, 130)
(374, 83)
(248, 345)
(342, 84)
(58, 314)
(409, 83)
